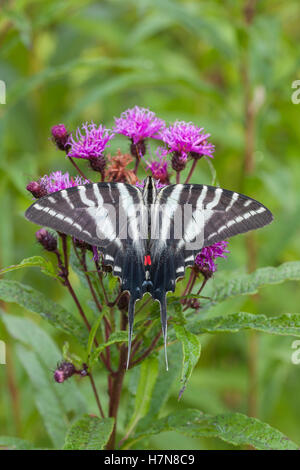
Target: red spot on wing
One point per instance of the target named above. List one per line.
(147, 260)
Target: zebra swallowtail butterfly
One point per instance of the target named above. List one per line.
(155, 254)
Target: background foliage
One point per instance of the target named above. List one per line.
(218, 64)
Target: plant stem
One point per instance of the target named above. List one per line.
(147, 352)
(191, 170)
(177, 177)
(77, 168)
(115, 385)
(96, 395)
(82, 261)
(64, 274)
(101, 282)
(202, 285)
(136, 166)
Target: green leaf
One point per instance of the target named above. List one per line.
(148, 376)
(30, 334)
(287, 324)
(33, 262)
(234, 428)
(92, 334)
(191, 349)
(217, 32)
(249, 283)
(34, 301)
(89, 433)
(45, 397)
(116, 337)
(14, 443)
(163, 385)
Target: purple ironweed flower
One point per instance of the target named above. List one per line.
(58, 180)
(37, 189)
(158, 184)
(60, 136)
(46, 239)
(91, 143)
(64, 371)
(138, 124)
(184, 138)
(159, 168)
(205, 260)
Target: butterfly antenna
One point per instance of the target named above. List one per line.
(163, 317)
(130, 327)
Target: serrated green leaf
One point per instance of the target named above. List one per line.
(235, 428)
(287, 324)
(148, 376)
(249, 283)
(89, 433)
(30, 334)
(163, 385)
(33, 262)
(34, 301)
(92, 335)
(191, 349)
(45, 397)
(14, 443)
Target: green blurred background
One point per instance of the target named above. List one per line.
(225, 65)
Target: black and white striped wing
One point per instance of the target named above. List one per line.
(94, 213)
(213, 214)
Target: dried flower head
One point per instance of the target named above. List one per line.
(186, 139)
(205, 260)
(90, 143)
(60, 136)
(117, 171)
(138, 124)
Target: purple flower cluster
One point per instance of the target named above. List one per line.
(206, 258)
(139, 124)
(90, 143)
(186, 139)
(58, 180)
(159, 168)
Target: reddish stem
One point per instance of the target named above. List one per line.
(96, 395)
(191, 170)
(77, 168)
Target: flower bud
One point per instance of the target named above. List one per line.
(37, 189)
(46, 239)
(60, 137)
(64, 371)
